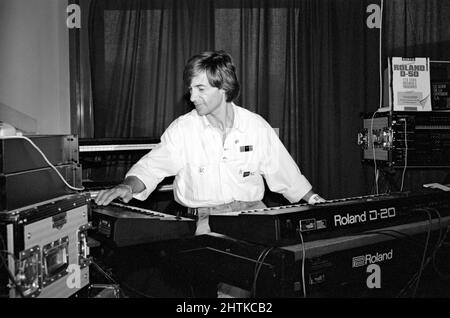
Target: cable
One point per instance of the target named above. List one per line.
(135, 291)
(406, 155)
(373, 150)
(102, 271)
(440, 237)
(435, 268)
(424, 262)
(303, 263)
(258, 266)
(416, 277)
(5, 264)
(441, 241)
(380, 93)
(409, 238)
(45, 158)
(10, 275)
(380, 56)
(256, 272)
(3, 248)
(259, 262)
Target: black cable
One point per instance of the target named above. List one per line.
(122, 285)
(439, 221)
(102, 271)
(259, 262)
(4, 263)
(105, 274)
(11, 276)
(303, 263)
(257, 270)
(435, 268)
(415, 279)
(424, 254)
(440, 238)
(2, 248)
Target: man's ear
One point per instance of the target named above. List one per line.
(221, 90)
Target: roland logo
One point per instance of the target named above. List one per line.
(367, 259)
(366, 216)
(348, 218)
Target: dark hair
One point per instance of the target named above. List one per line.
(219, 69)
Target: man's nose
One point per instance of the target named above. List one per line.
(193, 96)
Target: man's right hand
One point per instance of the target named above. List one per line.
(122, 191)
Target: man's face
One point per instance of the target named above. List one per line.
(207, 99)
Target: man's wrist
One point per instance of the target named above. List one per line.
(127, 186)
(315, 198)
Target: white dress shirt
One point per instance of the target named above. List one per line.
(210, 172)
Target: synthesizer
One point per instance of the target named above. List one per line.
(117, 144)
(123, 225)
(292, 224)
(105, 161)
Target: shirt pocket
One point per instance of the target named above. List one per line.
(204, 181)
(246, 173)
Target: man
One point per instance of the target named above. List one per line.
(218, 152)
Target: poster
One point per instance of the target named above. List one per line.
(411, 89)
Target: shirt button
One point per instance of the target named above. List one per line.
(224, 158)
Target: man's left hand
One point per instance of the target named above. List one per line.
(315, 198)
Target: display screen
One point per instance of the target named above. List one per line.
(56, 258)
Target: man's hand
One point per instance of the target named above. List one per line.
(312, 198)
(122, 191)
(315, 198)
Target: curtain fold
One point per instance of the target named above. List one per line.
(140, 48)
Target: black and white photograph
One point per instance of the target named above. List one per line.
(223, 156)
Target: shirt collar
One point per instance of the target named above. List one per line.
(238, 123)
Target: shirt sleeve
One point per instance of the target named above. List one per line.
(281, 172)
(165, 160)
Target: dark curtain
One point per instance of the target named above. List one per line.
(417, 28)
(81, 110)
(139, 48)
(309, 67)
